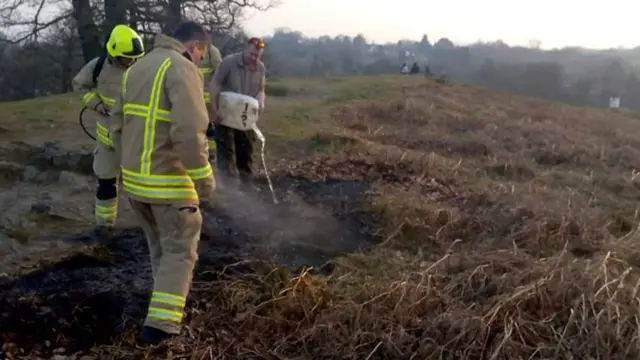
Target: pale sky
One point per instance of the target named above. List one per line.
(557, 23)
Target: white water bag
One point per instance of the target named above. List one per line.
(238, 111)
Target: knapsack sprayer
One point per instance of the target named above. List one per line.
(94, 76)
(241, 112)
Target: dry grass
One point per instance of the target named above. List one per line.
(509, 232)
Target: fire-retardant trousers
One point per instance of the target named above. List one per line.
(172, 233)
(106, 166)
(211, 137)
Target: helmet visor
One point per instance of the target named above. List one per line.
(137, 49)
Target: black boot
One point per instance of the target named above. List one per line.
(153, 336)
(102, 235)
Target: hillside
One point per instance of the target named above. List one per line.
(442, 222)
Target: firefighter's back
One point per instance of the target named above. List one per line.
(151, 169)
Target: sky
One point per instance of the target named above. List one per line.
(556, 23)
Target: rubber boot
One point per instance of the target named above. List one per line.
(153, 336)
(102, 235)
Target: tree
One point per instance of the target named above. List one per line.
(543, 79)
(631, 94)
(93, 22)
(444, 43)
(613, 79)
(487, 73)
(424, 45)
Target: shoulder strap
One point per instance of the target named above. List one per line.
(98, 68)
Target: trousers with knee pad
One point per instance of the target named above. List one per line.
(173, 234)
(106, 167)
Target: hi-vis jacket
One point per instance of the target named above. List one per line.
(104, 92)
(158, 126)
(209, 64)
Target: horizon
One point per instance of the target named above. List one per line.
(601, 27)
(597, 28)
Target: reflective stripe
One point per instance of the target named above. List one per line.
(106, 212)
(107, 100)
(212, 145)
(123, 84)
(103, 135)
(157, 180)
(150, 121)
(206, 70)
(165, 315)
(160, 192)
(207, 97)
(201, 173)
(166, 306)
(90, 95)
(169, 299)
(141, 182)
(143, 111)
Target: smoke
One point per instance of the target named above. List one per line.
(293, 232)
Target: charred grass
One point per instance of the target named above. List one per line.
(507, 230)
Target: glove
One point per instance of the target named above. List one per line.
(205, 188)
(102, 110)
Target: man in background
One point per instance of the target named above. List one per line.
(243, 73)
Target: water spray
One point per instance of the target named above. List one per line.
(262, 139)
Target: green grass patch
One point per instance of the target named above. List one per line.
(278, 90)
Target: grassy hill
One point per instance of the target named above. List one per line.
(504, 228)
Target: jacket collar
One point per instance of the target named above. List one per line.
(167, 42)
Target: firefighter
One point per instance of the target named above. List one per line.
(242, 73)
(159, 127)
(210, 62)
(100, 78)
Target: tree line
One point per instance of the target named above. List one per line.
(41, 54)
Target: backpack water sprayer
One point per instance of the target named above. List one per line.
(94, 76)
(81, 121)
(241, 112)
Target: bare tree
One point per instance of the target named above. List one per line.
(94, 20)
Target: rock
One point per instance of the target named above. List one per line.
(34, 175)
(11, 171)
(40, 208)
(31, 173)
(72, 181)
(52, 155)
(51, 145)
(8, 245)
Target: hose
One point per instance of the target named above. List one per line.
(81, 121)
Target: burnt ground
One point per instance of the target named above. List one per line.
(488, 251)
(94, 294)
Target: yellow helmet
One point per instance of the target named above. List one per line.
(125, 42)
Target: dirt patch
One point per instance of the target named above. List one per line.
(93, 297)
